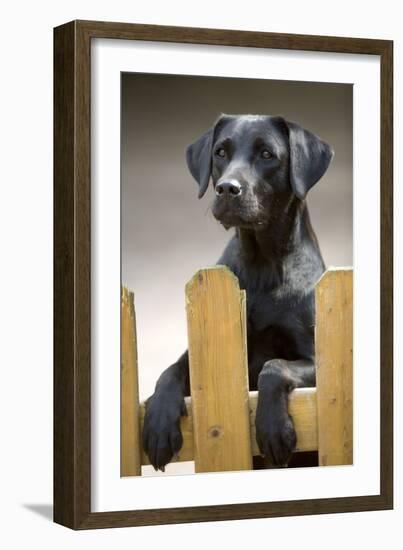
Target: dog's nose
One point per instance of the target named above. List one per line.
(230, 187)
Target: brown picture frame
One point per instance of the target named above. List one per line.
(72, 269)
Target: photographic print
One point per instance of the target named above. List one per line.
(223, 275)
(255, 176)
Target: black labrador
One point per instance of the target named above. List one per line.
(262, 168)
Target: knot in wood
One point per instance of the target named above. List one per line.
(215, 431)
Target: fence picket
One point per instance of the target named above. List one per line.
(334, 360)
(130, 449)
(218, 371)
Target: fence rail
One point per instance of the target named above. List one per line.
(219, 431)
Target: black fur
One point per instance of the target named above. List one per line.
(261, 168)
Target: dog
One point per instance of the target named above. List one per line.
(262, 168)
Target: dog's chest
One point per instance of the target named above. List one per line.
(279, 327)
(266, 309)
(278, 313)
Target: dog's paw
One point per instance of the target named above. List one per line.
(275, 436)
(162, 437)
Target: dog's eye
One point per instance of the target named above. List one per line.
(220, 152)
(266, 154)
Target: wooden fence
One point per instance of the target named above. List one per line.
(219, 431)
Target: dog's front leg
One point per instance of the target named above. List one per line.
(162, 437)
(275, 432)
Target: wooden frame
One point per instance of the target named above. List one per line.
(72, 320)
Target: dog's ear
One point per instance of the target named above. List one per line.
(309, 158)
(198, 158)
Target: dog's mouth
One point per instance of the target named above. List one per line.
(235, 216)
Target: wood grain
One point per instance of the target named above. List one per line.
(227, 37)
(386, 282)
(334, 361)
(130, 441)
(72, 282)
(218, 371)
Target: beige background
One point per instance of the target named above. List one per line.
(167, 233)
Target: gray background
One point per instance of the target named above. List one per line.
(167, 233)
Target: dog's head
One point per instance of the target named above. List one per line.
(257, 164)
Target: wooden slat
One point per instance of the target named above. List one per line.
(130, 455)
(302, 407)
(218, 371)
(334, 359)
